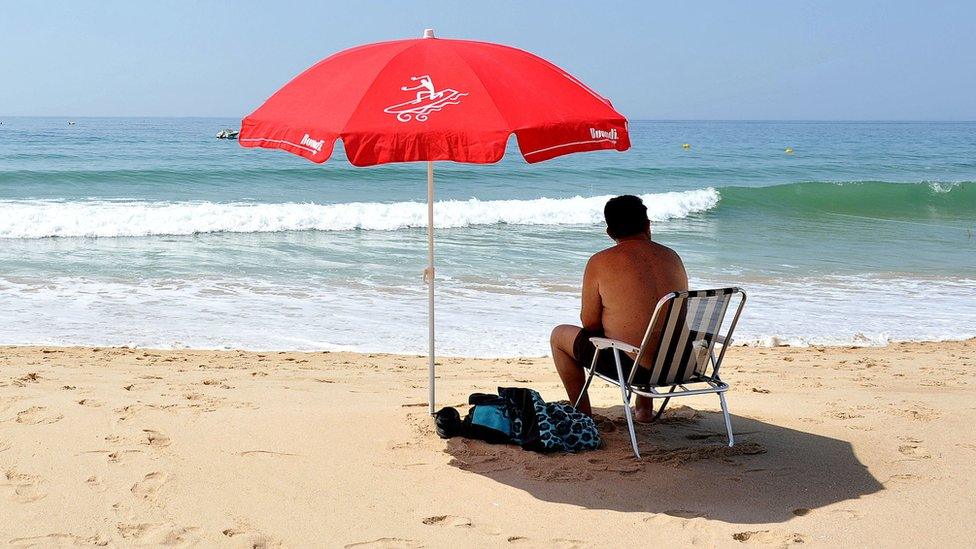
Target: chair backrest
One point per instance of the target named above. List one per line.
(681, 336)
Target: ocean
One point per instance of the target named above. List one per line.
(152, 232)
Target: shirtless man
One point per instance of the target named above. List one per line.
(621, 286)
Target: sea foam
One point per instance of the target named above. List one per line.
(256, 313)
(99, 218)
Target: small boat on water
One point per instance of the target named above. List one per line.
(227, 134)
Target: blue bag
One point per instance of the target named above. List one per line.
(520, 416)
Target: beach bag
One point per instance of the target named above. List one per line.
(520, 416)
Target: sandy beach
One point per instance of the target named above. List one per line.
(120, 447)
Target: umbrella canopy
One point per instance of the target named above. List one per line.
(432, 99)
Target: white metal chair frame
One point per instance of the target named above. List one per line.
(712, 382)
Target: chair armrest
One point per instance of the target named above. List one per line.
(606, 343)
(722, 340)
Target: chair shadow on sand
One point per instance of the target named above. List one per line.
(772, 474)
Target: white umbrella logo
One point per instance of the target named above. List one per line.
(428, 100)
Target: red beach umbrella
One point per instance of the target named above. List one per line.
(433, 99)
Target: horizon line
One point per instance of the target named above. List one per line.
(793, 120)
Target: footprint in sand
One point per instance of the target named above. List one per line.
(768, 537)
(7, 402)
(38, 415)
(481, 464)
(156, 534)
(448, 520)
(31, 377)
(59, 540)
(913, 411)
(118, 455)
(678, 415)
(558, 543)
(156, 439)
(677, 457)
(914, 451)
(559, 474)
(849, 513)
(221, 383)
(844, 415)
(709, 436)
(625, 465)
(400, 445)
(149, 485)
(902, 478)
(254, 540)
(264, 452)
(26, 487)
(387, 543)
(95, 483)
(131, 410)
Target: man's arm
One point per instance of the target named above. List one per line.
(591, 312)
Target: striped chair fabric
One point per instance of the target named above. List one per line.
(691, 321)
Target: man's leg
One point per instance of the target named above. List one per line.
(644, 410)
(572, 374)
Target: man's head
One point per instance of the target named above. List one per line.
(626, 216)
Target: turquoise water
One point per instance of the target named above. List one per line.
(152, 232)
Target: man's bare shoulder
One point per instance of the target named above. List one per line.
(602, 257)
(665, 251)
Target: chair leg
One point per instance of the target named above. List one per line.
(728, 420)
(589, 378)
(660, 410)
(625, 395)
(664, 405)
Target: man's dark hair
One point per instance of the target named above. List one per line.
(626, 216)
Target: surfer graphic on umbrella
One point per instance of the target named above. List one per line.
(425, 83)
(428, 100)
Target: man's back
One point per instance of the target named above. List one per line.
(629, 279)
(621, 286)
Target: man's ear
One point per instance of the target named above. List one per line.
(647, 228)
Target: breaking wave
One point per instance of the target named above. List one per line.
(97, 218)
(26, 219)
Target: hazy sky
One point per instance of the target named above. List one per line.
(835, 60)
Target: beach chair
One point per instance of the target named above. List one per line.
(686, 327)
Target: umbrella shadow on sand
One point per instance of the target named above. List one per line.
(772, 474)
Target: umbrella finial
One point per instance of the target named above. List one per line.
(428, 33)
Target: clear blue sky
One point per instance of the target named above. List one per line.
(826, 60)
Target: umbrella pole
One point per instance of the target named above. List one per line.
(430, 283)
